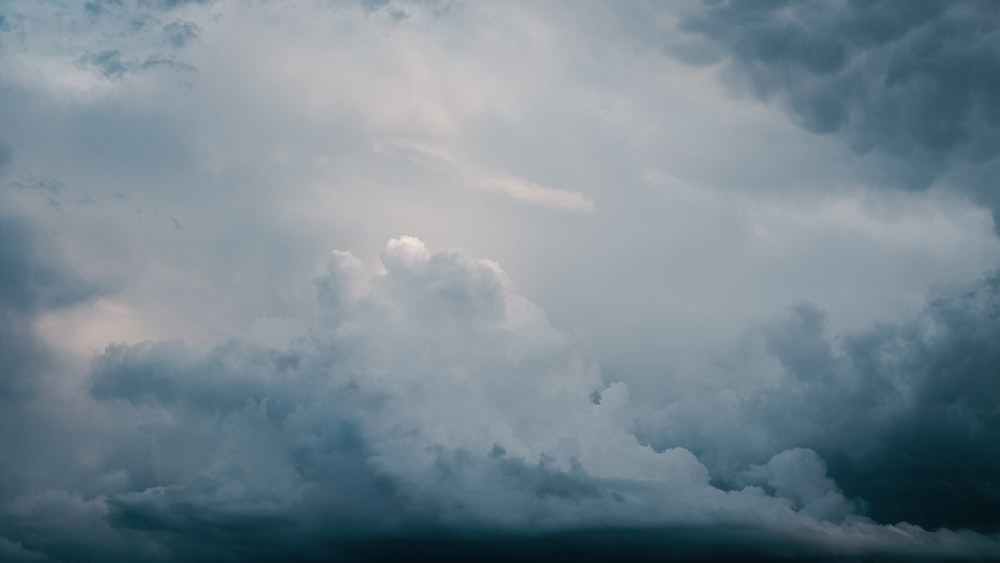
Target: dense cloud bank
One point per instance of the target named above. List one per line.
(425, 402)
(929, 392)
(917, 83)
(895, 410)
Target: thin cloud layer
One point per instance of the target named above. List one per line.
(516, 188)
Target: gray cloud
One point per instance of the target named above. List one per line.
(800, 476)
(428, 398)
(207, 407)
(903, 413)
(180, 34)
(112, 65)
(914, 82)
(108, 62)
(29, 285)
(945, 368)
(6, 155)
(173, 4)
(33, 282)
(99, 7)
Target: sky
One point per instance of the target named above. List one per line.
(360, 280)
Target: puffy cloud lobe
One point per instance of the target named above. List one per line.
(912, 81)
(800, 475)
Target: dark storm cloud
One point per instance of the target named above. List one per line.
(11, 29)
(906, 414)
(917, 82)
(936, 463)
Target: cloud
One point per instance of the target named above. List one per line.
(912, 82)
(6, 155)
(516, 188)
(180, 34)
(108, 62)
(28, 287)
(216, 404)
(430, 397)
(172, 4)
(939, 374)
(13, 551)
(596, 544)
(113, 66)
(800, 476)
(33, 282)
(99, 7)
(893, 411)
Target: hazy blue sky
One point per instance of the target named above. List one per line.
(386, 279)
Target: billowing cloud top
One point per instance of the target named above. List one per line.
(740, 300)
